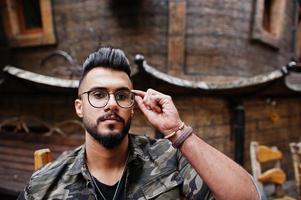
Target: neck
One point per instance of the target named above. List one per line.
(105, 164)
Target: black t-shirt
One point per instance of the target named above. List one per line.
(109, 190)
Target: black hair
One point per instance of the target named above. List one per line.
(106, 57)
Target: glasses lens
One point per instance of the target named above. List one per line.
(98, 98)
(125, 98)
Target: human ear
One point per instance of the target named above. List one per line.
(78, 107)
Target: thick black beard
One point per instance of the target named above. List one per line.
(110, 140)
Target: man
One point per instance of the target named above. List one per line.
(113, 164)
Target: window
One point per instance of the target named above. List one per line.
(28, 22)
(29, 15)
(266, 22)
(269, 21)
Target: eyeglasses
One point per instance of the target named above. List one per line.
(99, 98)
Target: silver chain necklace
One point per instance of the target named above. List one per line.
(102, 195)
(117, 188)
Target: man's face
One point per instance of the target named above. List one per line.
(109, 124)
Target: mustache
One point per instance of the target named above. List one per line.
(110, 116)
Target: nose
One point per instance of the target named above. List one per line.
(112, 104)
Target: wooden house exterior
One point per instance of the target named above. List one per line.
(229, 66)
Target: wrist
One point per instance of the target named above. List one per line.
(179, 128)
(180, 135)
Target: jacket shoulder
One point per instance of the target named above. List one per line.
(42, 179)
(64, 159)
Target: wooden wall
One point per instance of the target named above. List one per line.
(273, 122)
(270, 121)
(217, 37)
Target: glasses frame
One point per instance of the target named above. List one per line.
(109, 95)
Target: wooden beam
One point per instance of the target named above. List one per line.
(176, 36)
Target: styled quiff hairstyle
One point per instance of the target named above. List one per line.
(106, 57)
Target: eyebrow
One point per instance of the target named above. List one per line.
(104, 88)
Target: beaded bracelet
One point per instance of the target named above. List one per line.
(173, 133)
(187, 132)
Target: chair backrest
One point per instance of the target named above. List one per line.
(263, 155)
(41, 158)
(296, 156)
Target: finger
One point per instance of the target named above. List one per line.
(139, 92)
(156, 108)
(141, 105)
(150, 99)
(147, 99)
(154, 92)
(146, 108)
(154, 103)
(142, 96)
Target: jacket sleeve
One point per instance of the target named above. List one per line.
(193, 186)
(21, 196)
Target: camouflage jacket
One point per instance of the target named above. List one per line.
(155, 170)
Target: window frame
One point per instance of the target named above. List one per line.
(17, 37)
(259, 32)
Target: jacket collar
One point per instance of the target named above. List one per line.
(79, 162)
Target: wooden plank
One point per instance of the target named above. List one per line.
(17, 156)
(18, 159)
(256, 168)
(176, 37)
(266, 154)
(15, 151)
(17, 174)
(14, 187)
(19, 166)
(37, 139)
(15, 179)
(295, 149)
(22, 159)
(274, 175)
(56, 146)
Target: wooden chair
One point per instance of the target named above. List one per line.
(263, 156)
(296, 157)
(41, 158)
